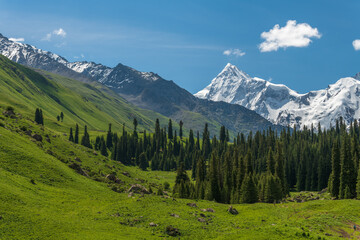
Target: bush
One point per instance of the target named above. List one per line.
(166, 185)
(10, 108)
(160, 192)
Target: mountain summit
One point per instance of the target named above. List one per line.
(280, 104)
(144, 89)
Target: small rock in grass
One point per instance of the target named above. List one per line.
(171, 231)
(153, 224)
(174, 215)
(201, 220)
(191, 204)
(233, 211)
(37, 137)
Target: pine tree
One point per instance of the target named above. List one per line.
(76, 139)
(334, 179)
(41, 117)
(37, 116)
(270, 162)
(213, 191)
(280, 170)
(135, 123)
(109, 138)
(182, 186)
(62, 116)
(71, 137)
(347, 173)
(181, 129)
(170, 130)
(358, 185)
(58, 118)
(222, 134)
(248, 190)
(143, 162)
(103, 149)
(85, 141)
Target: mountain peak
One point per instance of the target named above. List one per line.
(357, 76)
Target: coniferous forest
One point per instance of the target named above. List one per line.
(260, 167)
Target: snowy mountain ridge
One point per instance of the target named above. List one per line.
(282, 105)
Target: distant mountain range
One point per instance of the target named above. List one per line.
(281, 105)
(144, 89)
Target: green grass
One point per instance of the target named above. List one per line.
(41, 197)
(82, 103)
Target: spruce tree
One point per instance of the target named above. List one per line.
(143, 162)
(212, 190)
(270, 162)
(222, 134)
(71, 137)
(181, 129)
(170, 130)
(76, 139)
(103, 149)
(358, 185)
(280, 170)
(37, 116)
(248, 190)
(85, 141)
(62, 116)
(182, 186)
(347, 173)
(109, 138)
(135, 123)
(334, 179)
(41, 117)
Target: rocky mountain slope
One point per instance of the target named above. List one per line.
(280, 104)
(144, 89)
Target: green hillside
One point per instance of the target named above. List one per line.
(43, 196)
(86, 104)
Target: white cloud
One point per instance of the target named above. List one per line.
(292, 35)
(236, 52)
(57, 32)
(356, 44)
(60, 32)
(17, 39)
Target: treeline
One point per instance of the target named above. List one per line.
(263, 166)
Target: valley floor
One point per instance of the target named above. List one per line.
(41, 197)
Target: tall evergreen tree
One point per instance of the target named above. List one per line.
(334, 179)
(181, 129)
(109, 138)
(170, 130)
(76, 139)
(347, 173)
(103, 149)
(85, 141)
(41, 117)
(71, 136)
(37, 115)
(144, 164)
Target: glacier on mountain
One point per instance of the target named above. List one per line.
(284, 106)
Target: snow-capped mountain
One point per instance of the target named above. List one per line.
(280, 104)
(144, 89)
(33, 57)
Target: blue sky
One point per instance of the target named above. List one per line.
(184, 41)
